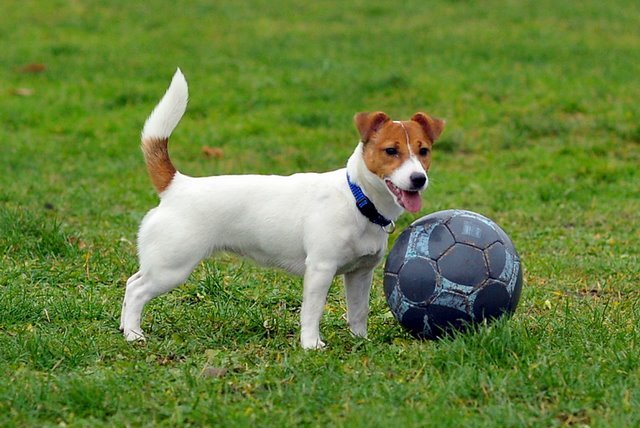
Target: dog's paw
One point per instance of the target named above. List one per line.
(134, 336)
(312, 343)
(359, 331)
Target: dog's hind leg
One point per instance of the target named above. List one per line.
(144, 286)
(131, 279)
(169, 248)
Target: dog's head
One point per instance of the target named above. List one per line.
(399, 153)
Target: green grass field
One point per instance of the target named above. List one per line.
(543, 136)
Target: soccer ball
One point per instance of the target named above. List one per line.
(449, 270)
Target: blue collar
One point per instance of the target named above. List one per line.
(367, 208)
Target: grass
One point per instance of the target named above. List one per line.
(542, 136)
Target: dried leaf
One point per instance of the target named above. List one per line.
(210, 371)
(74, 240)
(213, 152)
(22, 92)
(33, 68)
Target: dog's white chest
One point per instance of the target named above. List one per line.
(365, 252)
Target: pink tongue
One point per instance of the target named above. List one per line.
(411, 200)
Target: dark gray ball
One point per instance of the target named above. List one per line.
(451, 269)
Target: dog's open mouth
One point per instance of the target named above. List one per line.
(407, 199)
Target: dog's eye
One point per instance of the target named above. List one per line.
(391, 151)
(423, 151)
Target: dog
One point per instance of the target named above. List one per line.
(314, 225)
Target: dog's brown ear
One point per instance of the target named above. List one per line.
(369, 123)
(431, 126)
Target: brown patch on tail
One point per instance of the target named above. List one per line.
(159, 165)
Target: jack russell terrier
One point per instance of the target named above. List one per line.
(315, 225)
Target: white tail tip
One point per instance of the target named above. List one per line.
(165, 117)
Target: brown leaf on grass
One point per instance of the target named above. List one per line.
(210, 371)
(74, 240)
(33, 68)
(22, 92)
(213, 152)
(171, 358)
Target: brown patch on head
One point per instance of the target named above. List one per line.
(386, 148)
(159, 165)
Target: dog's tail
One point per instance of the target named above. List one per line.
(157, 129)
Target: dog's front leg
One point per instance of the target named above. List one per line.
(317, 280)
(358, 287)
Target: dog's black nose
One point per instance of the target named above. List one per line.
(418, 179)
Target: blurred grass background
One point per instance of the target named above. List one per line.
(542, 135)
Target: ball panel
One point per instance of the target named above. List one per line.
(464, 265)
(417, 280)
(516, 290)
(415, 321)
(440, 241)
(418, 245)
(389, 282)
(491, 301)
(397, 303)
(505, 239)
(398, 252)
(511, 266)
(443, 319)
(434, 218)
(496, 259)
(474, 230)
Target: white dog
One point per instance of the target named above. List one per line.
(313, 225)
